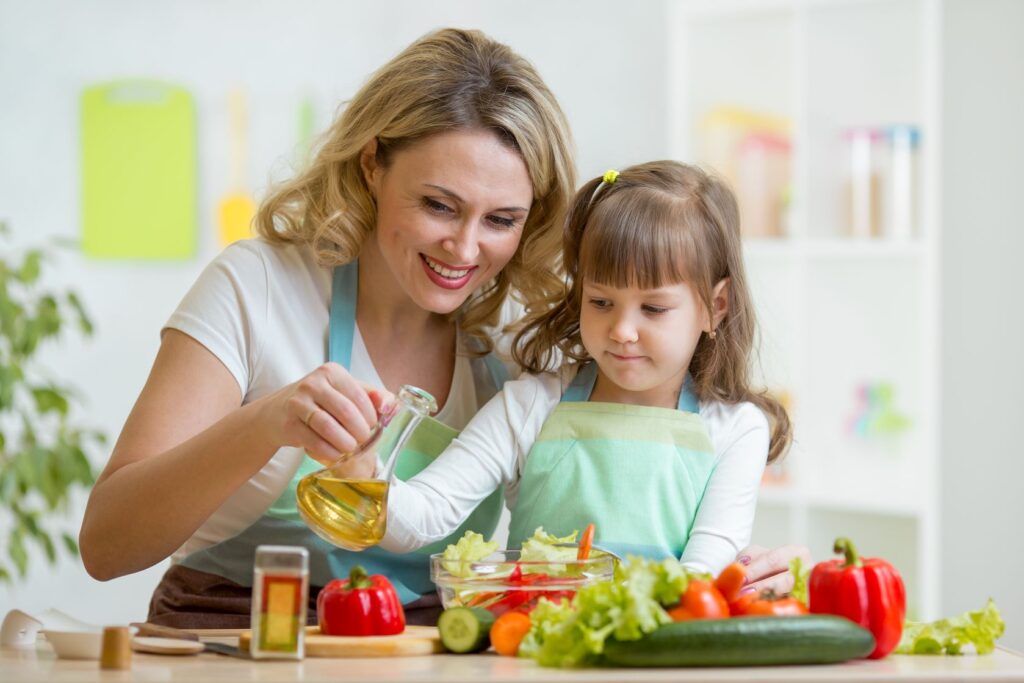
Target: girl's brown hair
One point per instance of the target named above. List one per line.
(448, 80)
(659, 223)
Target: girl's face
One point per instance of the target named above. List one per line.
(643, 339)
(450, 214)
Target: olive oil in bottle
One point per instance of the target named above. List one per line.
(350, 513)
(339, 502)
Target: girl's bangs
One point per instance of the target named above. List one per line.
(637, 239)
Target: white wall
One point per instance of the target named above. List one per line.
(983, 320)
(605, 65)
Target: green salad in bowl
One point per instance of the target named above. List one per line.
(474, 573)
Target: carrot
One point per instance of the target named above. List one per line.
(730, 581)
(586, 542)
(508, 631)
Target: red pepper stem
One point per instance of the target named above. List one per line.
(358, 578)
(844, 546)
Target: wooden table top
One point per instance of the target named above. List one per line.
(40, 664)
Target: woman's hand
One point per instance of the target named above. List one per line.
(327, 413)
(770, 568)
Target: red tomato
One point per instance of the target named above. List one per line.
(769, 605)
(700, 601)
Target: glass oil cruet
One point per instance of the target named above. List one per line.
(346, 503)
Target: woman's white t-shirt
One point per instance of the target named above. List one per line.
(263, 310)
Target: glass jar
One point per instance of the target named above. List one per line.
(901, 183)
(346, 503)
(864, 152)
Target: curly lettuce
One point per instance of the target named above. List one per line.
(542, 547)
(948, 636)
(633, 604)
(458, 558)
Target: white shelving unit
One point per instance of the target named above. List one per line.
(836, 311)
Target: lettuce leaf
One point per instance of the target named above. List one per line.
(799, 590)
(541, 548)
(950, 635)
(628, 607)
(458, 558)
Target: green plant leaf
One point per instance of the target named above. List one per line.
(16, 550)
(7, 385)
(5, 576)
(48, 317)
(46, 542)
(84, 321)
(25, 471)
(70, 544)
(30, 267)
(49, 400)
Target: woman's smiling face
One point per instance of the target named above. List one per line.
(450, 214)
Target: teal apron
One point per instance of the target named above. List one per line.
(637, 472)
(281, 524)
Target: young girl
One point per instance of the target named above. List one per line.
(651, 429)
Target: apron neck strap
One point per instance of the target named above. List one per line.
(344, 291)
(582, 386)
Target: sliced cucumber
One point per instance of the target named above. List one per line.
(465, 629)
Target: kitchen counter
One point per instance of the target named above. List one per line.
(40, 664)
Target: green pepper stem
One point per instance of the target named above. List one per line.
(844, 546)
(358, 578)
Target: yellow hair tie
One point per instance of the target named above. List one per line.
(610, 176)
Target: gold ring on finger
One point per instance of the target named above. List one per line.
(309, 416)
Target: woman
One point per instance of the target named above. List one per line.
(437, 193)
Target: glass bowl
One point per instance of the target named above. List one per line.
(502, 582)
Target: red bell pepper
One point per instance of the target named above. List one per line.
(360, 605)
(867, 591)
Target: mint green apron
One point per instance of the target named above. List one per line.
(281, 524)
(637, 472)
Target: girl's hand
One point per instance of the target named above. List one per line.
(327, 413)
(769, 569)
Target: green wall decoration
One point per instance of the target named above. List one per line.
(138, 171)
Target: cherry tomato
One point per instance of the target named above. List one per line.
(770, 605)
(731, 580)
(700, 601)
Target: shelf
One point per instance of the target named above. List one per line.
(835, 312)
(787, 496)
(783, 248)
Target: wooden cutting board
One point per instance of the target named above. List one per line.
(415, 640)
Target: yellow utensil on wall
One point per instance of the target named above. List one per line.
(236, 209)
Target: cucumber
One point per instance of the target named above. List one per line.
(746, 641)
(465, 629)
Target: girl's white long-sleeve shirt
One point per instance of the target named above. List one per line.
(493, 448)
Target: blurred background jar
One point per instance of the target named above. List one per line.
(901, 183)
(863, 183)
(881, 181)
(752, 152)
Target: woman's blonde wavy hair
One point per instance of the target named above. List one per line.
(450, 79)
(659, 223)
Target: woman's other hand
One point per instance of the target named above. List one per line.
(327, 413)
(769, 568)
